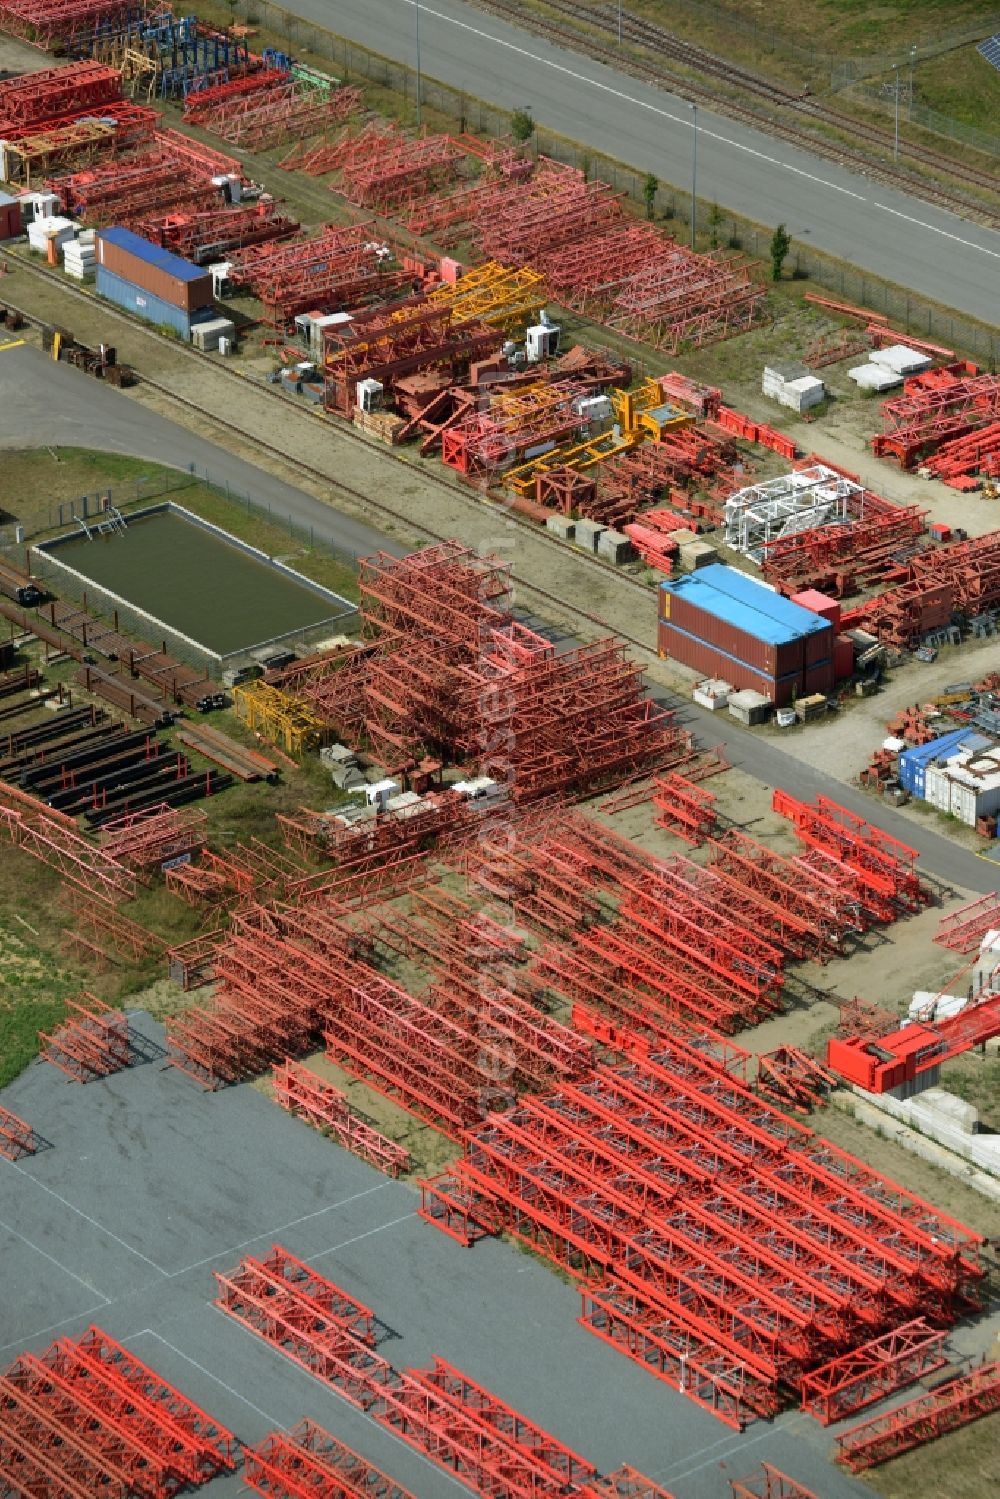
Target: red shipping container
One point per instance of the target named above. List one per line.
(820, 603)
(843, 657)
(819, 678)
(10, 217)
(153, 269)
(710, 661)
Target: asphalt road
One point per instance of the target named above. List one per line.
(42, 402)
(46, 403)
(873, 228)
(151, 1184)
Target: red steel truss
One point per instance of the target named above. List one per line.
(57, 93)
(457, 1423)
(307, 1461)
(684, 808)
(16, 1137)
(881, 863)
(792, 1079)
(302, 1092)
(859, 1378)
(86, 1417)
(936, 407)
(50, 836)
(210, 234)
(53, 23)
(920, 1420)
(739, 1251)
(769, 1483)
(93, 1042)
(100, 923)
(141, 840)
(963, 930)
(279, 108)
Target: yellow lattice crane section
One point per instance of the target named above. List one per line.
(505, 296)
(581, 456)
(279, 717)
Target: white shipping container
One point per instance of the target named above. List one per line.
(937, 788)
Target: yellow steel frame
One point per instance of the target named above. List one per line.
(279, 717)
(504, 296)
(41, 152)
(580, 456)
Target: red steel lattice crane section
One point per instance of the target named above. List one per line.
(920, 1420)
(93, 1042)
(16, 1137)
(769, 1483)
(307, 1462)
(86, 1417)
(301, 1092)
(457, 1423)
(859, 1378)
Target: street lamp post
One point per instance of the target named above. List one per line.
(913, 58)
(694, 176)
(895, 148)
(417, 24)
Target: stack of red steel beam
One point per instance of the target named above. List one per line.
(935, 408)
(880, 868)
(463, 1427)
(738, 1251)
(16, 1137)
(87, 1417)
(52, 23)
(978, 452)
(340, 266)
(870, 546)
(302, 1092)
(951, 1405)
(210, 234)
(385, 169)
(680, 461)
(263, 109)
(960, 579)
(49, 118)
(963, 930)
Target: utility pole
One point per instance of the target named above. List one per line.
(417, 24)
(694, 176)
(913, 58)
(895, 74)
(619, 22)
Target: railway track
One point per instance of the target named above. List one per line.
(776, 95)
(359, 500)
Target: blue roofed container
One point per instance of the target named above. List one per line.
(914, 762)
(169, 277)
(796, 619)
(746, 620)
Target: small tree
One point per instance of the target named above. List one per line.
(522, 126)
(650, 188)
(780, 246)
(714, 220)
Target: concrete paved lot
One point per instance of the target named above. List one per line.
(151, 1184)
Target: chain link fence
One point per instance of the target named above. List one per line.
(884, 96)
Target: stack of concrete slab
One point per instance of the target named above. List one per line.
(874, 377)
(901, 359)
(614, 547)
(80, 256)
(793, 384)
(749, 706)
(561, 526)
(588, 534)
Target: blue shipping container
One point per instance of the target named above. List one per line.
(143, 304)
(913, 762)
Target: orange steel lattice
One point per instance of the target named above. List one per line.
(963, 931)
(16, 1137)
(920, 1420)
(736, 1248)
(155, 835)
(307, 1461)
(859, 1378)
(769, 1483)
(455, 1422)
(792, 1079)
(882, 867)
(93, 1042)
(86, 1417)
(684, 808)
(52, 838)
(301, 1092)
